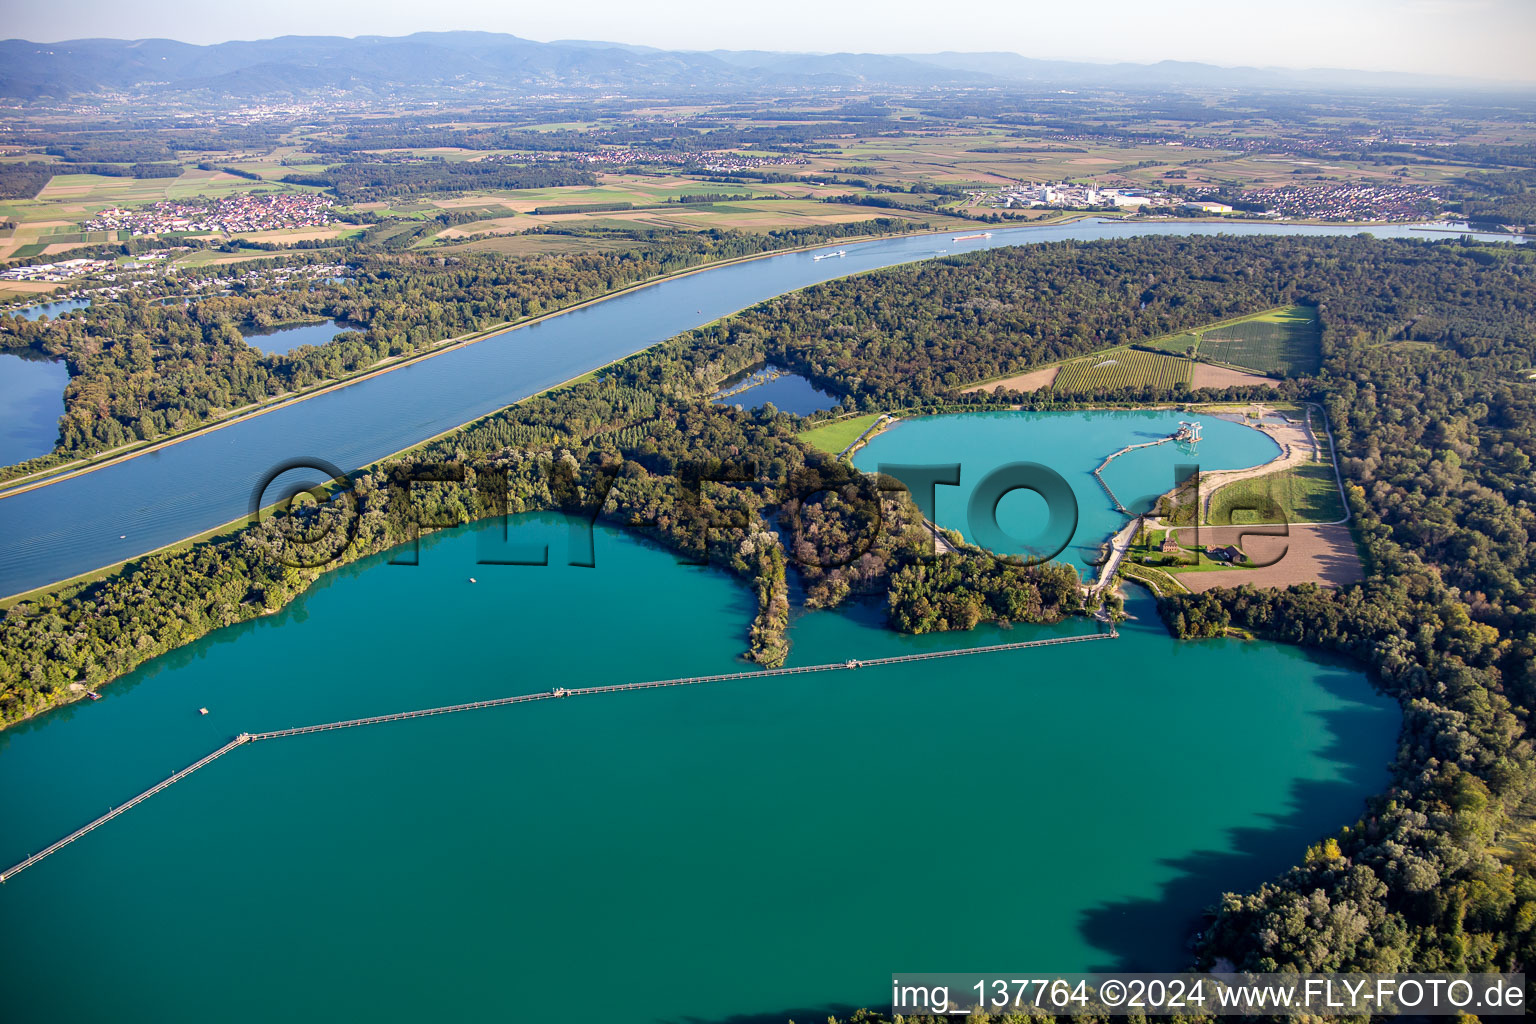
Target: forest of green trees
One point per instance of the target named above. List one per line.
(1424, 382)
(364, 182)
(1427, 349)
(642, 447)
(140, 369)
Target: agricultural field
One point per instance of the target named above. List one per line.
(644, 190)
(99, 191)
(269, 165)
(1174, 344)
(1307, 493)
(1196, 169)
(946, 157)
(1285, 341)
(1277, 341)
(750, 215)
(1324, 555)
(1121, 368)
(834, 437)
(527, 244)
(27, 289)
(215, 257)
(958, 159)
(288, 236)
(50, 223)
(642, 201)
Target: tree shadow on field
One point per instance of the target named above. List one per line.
(1360, 744)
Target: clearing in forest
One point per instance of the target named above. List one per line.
(834, 437)
(1285, 341)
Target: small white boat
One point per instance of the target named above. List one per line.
(830, 255)
(473, 580)
(202, 711)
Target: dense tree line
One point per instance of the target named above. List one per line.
(1501, 199)
(140, 368)
(364, 140)
(124, 151)
(367, 182)
(1422, 381)
(1427, 347)
(642, 447)
(915, 333)
(25, 179)
(960, 593)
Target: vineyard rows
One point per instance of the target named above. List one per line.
(1121, 368)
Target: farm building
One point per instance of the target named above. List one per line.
(1228, 553)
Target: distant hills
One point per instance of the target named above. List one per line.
(490, 64)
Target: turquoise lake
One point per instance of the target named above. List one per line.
(1073, 444)
(131, 507)
(751, 850)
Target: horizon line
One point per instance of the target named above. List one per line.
(1422, 76)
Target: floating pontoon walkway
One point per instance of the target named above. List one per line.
(1187, 432)
(555, 694)
(240, 740)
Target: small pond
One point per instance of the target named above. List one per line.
(281, 340)
(31, 402)
(789, 392)
(52, 310)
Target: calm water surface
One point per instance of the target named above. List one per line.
(31, 402)
(281, 340)
(136, 506)
(52, 310)
(780, 846)
(788, 392)
(1073, 444)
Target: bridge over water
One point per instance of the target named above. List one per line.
(556, 694)
(1187, 432)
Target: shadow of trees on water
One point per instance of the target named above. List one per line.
(1360, 747)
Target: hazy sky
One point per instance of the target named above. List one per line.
(1484, 38)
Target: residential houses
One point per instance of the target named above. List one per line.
(251, 211)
